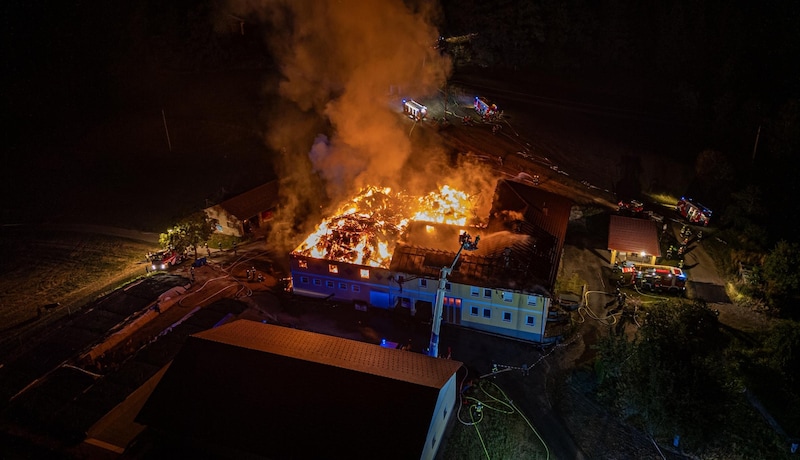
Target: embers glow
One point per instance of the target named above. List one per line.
(365, 229)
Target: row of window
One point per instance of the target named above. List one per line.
(329, 284)
(333, 268)
(448, 301)
(487, 313)
(423, 283)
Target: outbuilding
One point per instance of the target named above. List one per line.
(249, 389)
(634, 240)
(246, 212)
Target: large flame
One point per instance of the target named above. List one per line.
(365, 229)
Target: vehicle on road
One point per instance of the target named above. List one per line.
(654, 278)
(414, 109)
(485, 108)
(693, 212)
(164, 259)
(632, 206)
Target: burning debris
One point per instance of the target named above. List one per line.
(365, 229)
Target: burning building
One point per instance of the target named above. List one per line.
(386, 250)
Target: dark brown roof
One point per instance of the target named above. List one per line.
(284, 393)
(628, 234)
(253, 202)
(519, 249)
(335, 351)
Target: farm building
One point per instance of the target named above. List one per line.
(633, 239)
(504, 287)
(246, 212)
(253, 390)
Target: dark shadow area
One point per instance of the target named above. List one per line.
(709, 292)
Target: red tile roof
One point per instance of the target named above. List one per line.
(628, 234)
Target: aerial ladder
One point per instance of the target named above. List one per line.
(466, 245)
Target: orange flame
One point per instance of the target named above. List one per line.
(365, 229)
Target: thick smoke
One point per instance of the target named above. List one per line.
(347, 62)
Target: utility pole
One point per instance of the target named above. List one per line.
(466, 244)
(164, 117)
(758, 133)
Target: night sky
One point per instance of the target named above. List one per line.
(726, 67)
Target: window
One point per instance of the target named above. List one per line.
(487, 312)
(423, 283)
(329, 284)
(304, 279)
(447, 286)
(474, 292)
(365, 273)
(333, 268)
(356, 288)
(487, 293)
(302, 263)
(473, 311)
(317, 282)
(508, 296)
(530, 321)
(507, 316)
(343, 286)
(532, 300)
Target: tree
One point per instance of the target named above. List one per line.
(781, 274)
(669, 378)
(189, 232)
(782, 351)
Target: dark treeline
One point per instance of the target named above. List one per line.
(729, 68)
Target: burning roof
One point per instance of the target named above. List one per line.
(365, 229)
(520, 245)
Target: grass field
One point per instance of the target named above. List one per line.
(488, 426)
(42, 266)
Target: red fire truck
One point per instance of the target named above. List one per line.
(692, 211)
(165, 258)
(658, 278)
(661, 278)
(485, 108)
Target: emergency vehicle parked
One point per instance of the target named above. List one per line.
(656, 278)
(694, 212)
(164, 259)
(414, 109)
(660, 278)
(485, 108)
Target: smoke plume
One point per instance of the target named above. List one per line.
(348, 63)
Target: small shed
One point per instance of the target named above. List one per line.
(244, 213)
(633, 239)
(268, 391)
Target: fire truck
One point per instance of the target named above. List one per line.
(414, 109)
(632, 206)
(694, 212)
(165, 258)
(660, 278)
(485, 108)
(655, 278)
